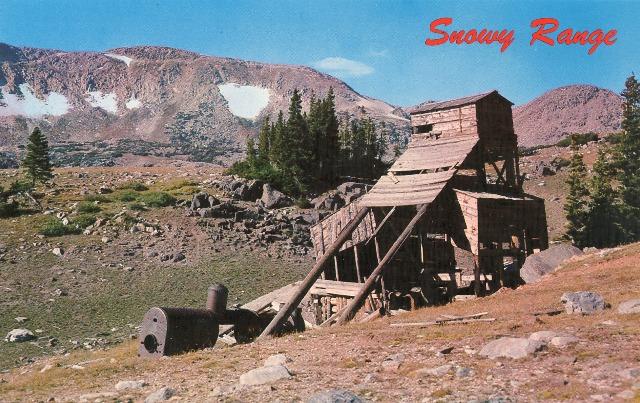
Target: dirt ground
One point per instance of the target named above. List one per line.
(599, 367)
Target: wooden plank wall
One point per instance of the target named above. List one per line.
(450, 122)
(325, 232)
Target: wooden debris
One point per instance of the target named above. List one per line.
(442, 322)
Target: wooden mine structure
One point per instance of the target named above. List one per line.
(458, 185)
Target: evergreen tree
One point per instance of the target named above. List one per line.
(252, 155)
(277, 151)
(330, 149)
(297, 142)
(628, 158)
(604, 226)
(576, 205)
(264, 141)
(36, 162)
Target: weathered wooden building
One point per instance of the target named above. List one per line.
(458, 185)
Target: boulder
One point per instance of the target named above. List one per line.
(20, 335)
(511, 347)
(335, 396)
(546, 261)
(248, 190)
(582, 302)
(272, 198)
(328, 201)
(203, 200)
(276, 359)
(544, 336)
(58, 251)
(160, 395)
(631, 306)
(563, 341)
(262, 375)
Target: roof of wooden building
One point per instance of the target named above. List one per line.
(424, 153)
(452, 103)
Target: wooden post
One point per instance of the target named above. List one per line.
(307, 283)
(357, 301)
(335, 265)
(355, 254)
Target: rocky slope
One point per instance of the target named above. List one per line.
(154, 100)
(571, 109)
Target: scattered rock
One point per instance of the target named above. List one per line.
(99, 396)
(547, 261)
(276, 359)
(272, 198)
(582, 302)
(437, 371)
(393, 362)
(160, 395)
(20, 335)
(463, 372)
(178, 257)
(262, 375)
(511, 347)
(130, 385)
(563, 341)
(631, 306)
(21, 319)
(335, 396)
(58, 251)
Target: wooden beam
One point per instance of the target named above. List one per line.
(357, 301)
(306, 284)
(379, 227)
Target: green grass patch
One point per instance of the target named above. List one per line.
(82, 221)
(135, 186)
(53, 227)
(135, 206)
(157, 199)
(127, 195)
(97, 198)
(87, 207)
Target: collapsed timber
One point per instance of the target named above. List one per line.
(456, 190)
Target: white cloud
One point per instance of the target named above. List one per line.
(340, 66)
(379, 53)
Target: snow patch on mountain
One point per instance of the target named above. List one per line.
(108, 102)
(133, 103)
(245, 101)
(125, 59)
(29, 105)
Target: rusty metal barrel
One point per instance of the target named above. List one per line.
(217, 299)
(169, 331)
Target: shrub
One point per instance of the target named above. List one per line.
(127, 196)
(157, 199)
(87, 207)
(54, 227)
(82, 221)
(580, 138)
(8, 209)
(19, 187)
(98, 198)
(135, 206)
(137, 186)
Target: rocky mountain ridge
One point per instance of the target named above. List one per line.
(562, 111)
(156, 100)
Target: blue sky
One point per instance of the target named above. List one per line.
(377, 47)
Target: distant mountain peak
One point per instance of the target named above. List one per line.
(578, 108)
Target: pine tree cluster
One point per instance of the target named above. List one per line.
(603, 210)
(310, 151)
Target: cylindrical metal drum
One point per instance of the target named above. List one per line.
(217, 299)
(168, 331)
